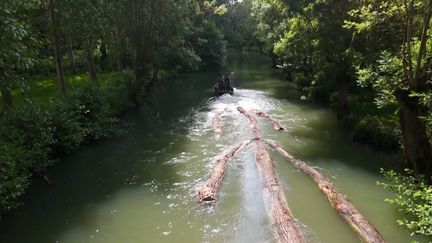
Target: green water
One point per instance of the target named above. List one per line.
(142, 187)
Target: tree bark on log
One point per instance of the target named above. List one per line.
(208, 193)
(216, 124)
(285, 228)
(252, 121)
(284, 225)
(276, 124)
(346, 209)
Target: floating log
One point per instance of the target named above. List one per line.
(252, 121)
(285, 228)
(216, 124)
(284, 225)
(346, 209)
(208, 193)
(276, 124)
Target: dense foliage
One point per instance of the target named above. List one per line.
(414, 200)
(371, 61)
(34, 134)
(347, 54)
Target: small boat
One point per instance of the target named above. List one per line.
(223, 86)
(223, 90)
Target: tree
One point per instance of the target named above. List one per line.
(401, 74)
(52, 7)
(84, 26)
(16, 51)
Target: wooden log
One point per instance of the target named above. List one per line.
(253, 123)
(216, 124)
(283, 222)
(346, 209)
(285, 228)
(276, 124)
(208, 193)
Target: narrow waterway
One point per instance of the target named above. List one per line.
(142, 187)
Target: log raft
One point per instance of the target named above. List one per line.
(284, 224)
(285, 228)
(208, 193)
(366, 231)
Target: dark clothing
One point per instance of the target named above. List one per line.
(223, 86)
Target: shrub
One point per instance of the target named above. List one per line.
(31, 128)
(68, 130)
(94, 114)
(14, 174)
(380, 133)
(34, 133)
(414, 199)
(26, 138)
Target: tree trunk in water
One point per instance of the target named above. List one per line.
(216, 124)
(6, 95)
(416, 143)
(346, 209)
(285, 228)
(57, 46)
(71, 56)
(276, 124)
(253, 123)
(91, 66)
(208, 193)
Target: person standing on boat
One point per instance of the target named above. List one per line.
(227, 82)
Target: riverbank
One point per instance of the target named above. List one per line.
(44, 126)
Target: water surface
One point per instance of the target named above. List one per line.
(142, 187)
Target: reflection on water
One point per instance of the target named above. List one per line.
(142, 188)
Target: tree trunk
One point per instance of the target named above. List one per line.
(285, 228)
(91, 66)
(276, 124)
(119, 58)
(6, 95)
(208, 193)
(216, 124)
(57, 46)
(342, 94)
(103, 56)
(140, 76)
(346, 209)
(71, 56)
(253, 123)
(416, 143)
